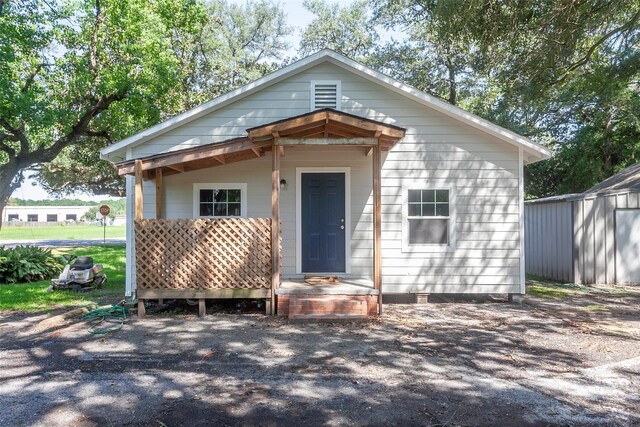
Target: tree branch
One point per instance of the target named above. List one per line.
(11, 152)
(32, 76)
(587, 56)
(47, 154)
(18, 134)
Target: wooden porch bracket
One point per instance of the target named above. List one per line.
(275, 227)
(377, 226)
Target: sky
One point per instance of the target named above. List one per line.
(298, 18)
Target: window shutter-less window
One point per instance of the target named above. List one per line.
(325, 94)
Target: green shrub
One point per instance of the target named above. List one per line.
(27, 264)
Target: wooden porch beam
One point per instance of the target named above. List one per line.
(377, 225)
(275, 226)
(178, 159)
(326, 141)
(138, 189)
(159, 194)
(220, 159)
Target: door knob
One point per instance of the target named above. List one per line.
(342, 227)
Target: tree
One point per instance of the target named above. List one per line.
(75, 75)
(215, 47)
(562, 72)
(346, 30)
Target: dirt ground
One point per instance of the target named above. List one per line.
(549, 361)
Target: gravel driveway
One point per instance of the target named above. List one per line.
(545, 362)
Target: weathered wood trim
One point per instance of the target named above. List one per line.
(138, 190)
(326, 141)
(159, 194)
(177, 159)
(203, 293)
(377, 226)
(275, 224)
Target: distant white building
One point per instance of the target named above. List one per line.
(44, 213)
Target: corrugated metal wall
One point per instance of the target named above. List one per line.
(574, 241)
(594, 236)
(548, 232)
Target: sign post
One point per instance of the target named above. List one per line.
(104, 211)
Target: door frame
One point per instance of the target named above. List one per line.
(347, 214)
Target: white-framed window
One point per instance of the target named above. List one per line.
(325, 94)
(428, 220)
(219, 200)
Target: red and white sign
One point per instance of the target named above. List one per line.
(104, 210)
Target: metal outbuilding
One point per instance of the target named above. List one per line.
(590, 237)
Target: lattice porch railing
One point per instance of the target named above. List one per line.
(229, 253)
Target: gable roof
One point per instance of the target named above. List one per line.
(535, 151)
(627, 179)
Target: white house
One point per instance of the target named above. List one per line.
(361, 176)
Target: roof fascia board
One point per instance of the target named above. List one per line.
(441, 106)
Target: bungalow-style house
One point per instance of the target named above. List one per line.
(322, 187)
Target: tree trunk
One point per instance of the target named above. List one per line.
(10, 179)
(453, 90)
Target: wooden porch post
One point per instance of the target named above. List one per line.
(159, 194)
(275, 225)
(377, 226)
(138, 189)
(138, 216)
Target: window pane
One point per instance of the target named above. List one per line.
(428, 196)
(206, 196)
(206, 209)
(442, 209)
(442, 195)
(234, 209)
(220, 195)
(414, 196)
(220, 209)
(414, 209)
(428, 209)
(428, 231)
(234, 196)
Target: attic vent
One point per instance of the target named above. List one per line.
(325, 94)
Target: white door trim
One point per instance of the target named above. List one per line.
(347, 214)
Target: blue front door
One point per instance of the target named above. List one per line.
(323, 223)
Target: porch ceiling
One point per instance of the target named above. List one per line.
(320, 127)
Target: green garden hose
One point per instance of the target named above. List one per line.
(114, 315)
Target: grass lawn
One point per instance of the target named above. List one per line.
(34, 296)
(63, 232)
(540, 287)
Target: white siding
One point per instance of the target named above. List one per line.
(437, 151)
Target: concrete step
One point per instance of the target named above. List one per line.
(328, 318)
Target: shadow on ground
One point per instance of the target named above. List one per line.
(438, 364)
